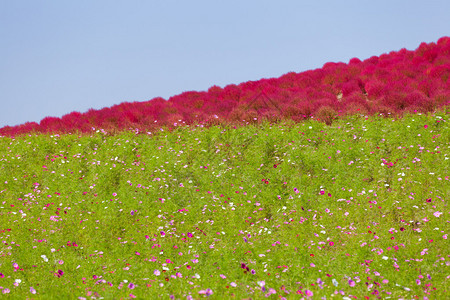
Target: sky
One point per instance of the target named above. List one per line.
(57, 57)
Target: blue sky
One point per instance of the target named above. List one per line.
(62, 56)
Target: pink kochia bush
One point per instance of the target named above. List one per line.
(393, 83)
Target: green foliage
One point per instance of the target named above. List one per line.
(305, 206)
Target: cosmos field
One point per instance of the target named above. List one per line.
(353, 210)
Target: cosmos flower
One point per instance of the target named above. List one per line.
(206, 292)
(437, 214)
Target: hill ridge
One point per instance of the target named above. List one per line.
(392, 83)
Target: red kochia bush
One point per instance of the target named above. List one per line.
(350, 87)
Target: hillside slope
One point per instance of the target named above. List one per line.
(393, 83)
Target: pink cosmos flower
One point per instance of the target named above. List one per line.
(351, 283)
(206, 292)
(437, 214)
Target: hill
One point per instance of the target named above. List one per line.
(392, 83)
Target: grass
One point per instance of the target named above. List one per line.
(355, 210)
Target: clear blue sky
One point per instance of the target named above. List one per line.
(62, 56)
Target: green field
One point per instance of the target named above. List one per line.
(355, 210)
